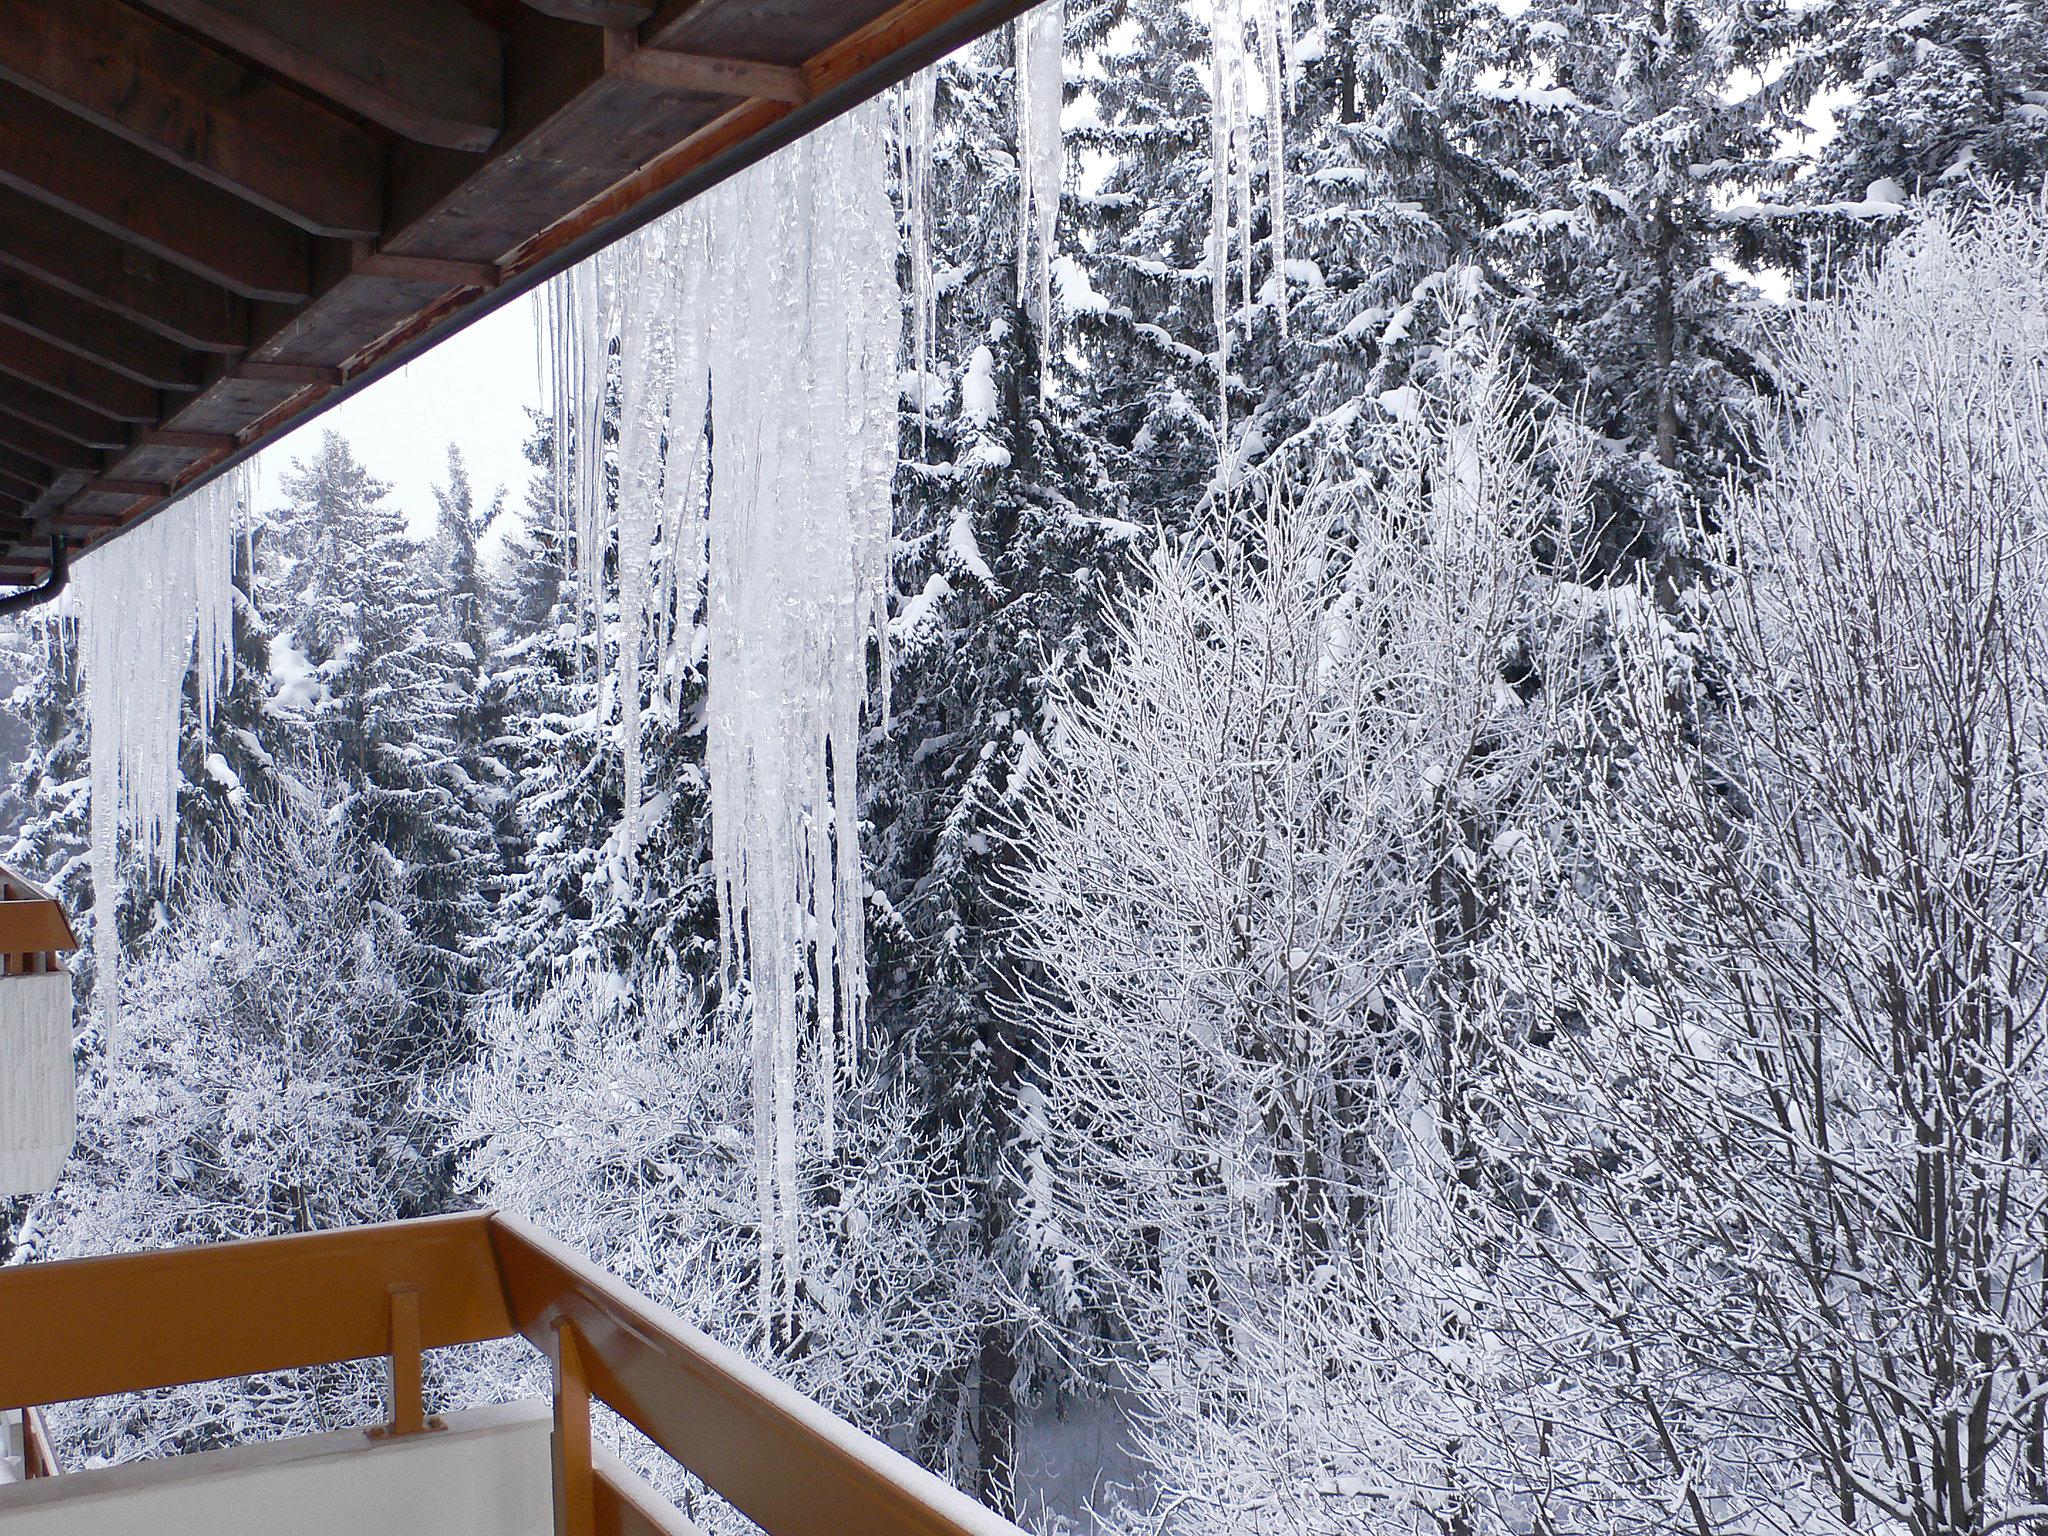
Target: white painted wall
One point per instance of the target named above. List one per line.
(487, 1474)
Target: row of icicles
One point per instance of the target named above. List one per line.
(764, 318)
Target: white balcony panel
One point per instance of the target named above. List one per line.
(485, 1475)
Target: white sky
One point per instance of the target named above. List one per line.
(472, 390)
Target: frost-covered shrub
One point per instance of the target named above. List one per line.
(1279, 807)
(621, 1120)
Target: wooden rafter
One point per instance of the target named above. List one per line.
(88, 429)
(427, 69)
(52, 156)
(707, 74)
(36, 362)
(46, 447)
(31, 306)
(77, 259)
(596, 13)
(135, 76)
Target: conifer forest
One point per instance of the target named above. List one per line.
(1254, 767)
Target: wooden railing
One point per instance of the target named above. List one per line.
(33, 928)
(91, 1327)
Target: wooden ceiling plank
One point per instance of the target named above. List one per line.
(137, 488)
(597, 13)
(36, 362)
(88, 429)
(50, 155)
(706, 74)
(197, 442)
(30, 306)
(40, 242)
(300, 375)
(448, 271)
(178, 99)
(428, 70)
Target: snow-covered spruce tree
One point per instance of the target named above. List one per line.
(369, 668)
(572, 899)
(1003, 535)
(1280, 803)
(1773, 1083)
(265, 1084)
(1635, 123)
(618, 1117)
(1136, 288)
(1928, 100)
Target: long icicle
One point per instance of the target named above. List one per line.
(773, 303)
(152, 606)
(1040, 87)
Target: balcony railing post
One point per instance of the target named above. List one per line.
(575, 1494)
(404, 1371)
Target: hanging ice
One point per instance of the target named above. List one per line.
(917, 103)
(1041, 35)
(151, 605)
(1230, 200)
(771, 308)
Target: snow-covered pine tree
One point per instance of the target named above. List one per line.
(365, 661)
(1136, 290)
(1930, 99)
(572, 900)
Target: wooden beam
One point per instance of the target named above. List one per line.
(36, 362)
(142, 490)
(704, 74)
(598, 13)
(93, 334)
(231, 125)
(88, 429)
(48, 154)
(47, 447)
(40, 242)
(425, 69)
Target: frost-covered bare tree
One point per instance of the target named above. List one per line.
(619, 1118)
(267, 1085)
(1769, 1170)
(1275, 807)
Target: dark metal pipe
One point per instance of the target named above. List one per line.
(35, 597)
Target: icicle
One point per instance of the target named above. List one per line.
(683, 512)
(640, 399)
(1230, 193)
(772, 305)
(1041, 35)
(1273, 58)
(144, 602)
(919, 103)
(803, 408)
(1221, 46)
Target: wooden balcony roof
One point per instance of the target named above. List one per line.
(219, 216)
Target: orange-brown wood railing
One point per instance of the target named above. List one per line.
(33, 928)
(91, 1327)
